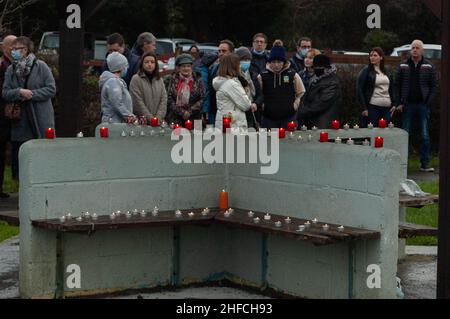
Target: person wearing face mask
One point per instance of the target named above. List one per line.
(298, 60)
(148, 91)
(282, 89)
(185, 93)
(29, 82)
(251, 86)
(116, 101)
(260, 55)
(322, 102)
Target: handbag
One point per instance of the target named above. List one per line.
(13, 110)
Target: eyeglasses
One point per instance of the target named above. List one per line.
(259, 41)
(19, 48)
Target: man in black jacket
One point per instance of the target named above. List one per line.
(322, 102)
(417, 85)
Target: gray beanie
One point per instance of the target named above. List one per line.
(116, 61)
(243, 53)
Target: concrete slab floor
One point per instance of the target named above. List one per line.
(417, 272)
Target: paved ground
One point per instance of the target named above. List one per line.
(419, 176)
(418, 274)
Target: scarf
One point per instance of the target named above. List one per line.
(23, 66)
(184, 88)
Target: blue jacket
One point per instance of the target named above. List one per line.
(115, 98)
(206, 61)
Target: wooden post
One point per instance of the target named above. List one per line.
(443, 273)
(68, 117)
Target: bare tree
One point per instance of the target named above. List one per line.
(8, 9)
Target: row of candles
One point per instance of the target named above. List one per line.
(86, 216)
(287, 221)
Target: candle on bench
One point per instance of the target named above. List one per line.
(223, 200)
(382, 123)
(323, 137)
(292, 126)
(282, 133)
(379, 142)
(335, 125)
(189, 125)
(154, 122)
(50, 133)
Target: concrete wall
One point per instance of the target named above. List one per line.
(351, 185)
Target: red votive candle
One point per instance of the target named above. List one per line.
(382, 123)
(335, 125)
(379, 142)
(104, 132)
(226, 122)
(189, 125)
(223, 200)
(50, 133)
(154, 122)
(282, 132)
(292, 126)
(323, 137)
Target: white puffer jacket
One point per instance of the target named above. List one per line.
(231, 98)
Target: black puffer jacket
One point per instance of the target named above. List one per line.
(366, 86)
(322, 102)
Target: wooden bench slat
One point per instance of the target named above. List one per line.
(407, 230)
(418, 202)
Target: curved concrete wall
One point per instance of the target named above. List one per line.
(351, 185)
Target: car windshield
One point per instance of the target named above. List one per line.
(51, 42)
(164, 48)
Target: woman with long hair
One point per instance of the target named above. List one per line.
(232, 98)
(148, 91)
(375, 87)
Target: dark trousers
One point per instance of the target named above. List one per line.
(15, 147)
(3, 145)
(421, 114)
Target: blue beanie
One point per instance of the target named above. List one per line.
(278, 53)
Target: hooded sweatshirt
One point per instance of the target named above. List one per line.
(231, 99)
(282, 92)
(115, 98)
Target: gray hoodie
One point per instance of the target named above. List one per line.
(115, 98)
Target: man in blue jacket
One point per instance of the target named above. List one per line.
(417, 85)
(116, 43)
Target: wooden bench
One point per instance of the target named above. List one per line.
(240, 219)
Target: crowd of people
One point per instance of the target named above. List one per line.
(264, 88)
(254, 86)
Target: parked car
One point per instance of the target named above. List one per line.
(203, 48)
(432, 51)
(165, 50)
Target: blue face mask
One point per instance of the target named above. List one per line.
(245, 66)
(16, 55)
(124, 73)
(303, 53)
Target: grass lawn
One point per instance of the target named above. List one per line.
(9, 186)
(428, 215)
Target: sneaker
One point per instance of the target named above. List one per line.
(427, 169)
(4, 195)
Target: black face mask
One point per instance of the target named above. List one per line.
(319, 72)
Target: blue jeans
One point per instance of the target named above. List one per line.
(422, 113)
(377, 113)
(273, 124)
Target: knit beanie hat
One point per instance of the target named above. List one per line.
(184, 59)
(116, 61)
(243, 53)
(278, 53)
(322, 61)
